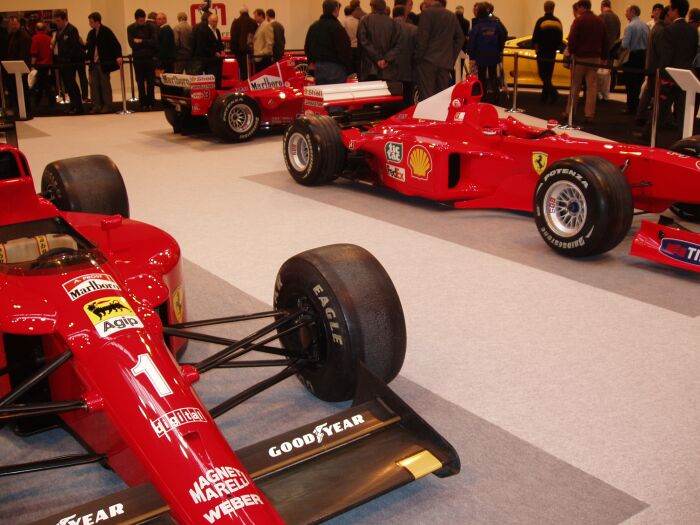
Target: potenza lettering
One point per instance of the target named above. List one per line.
(177, 418)
(317, 435)
(223, 482)
(85, 284)
(94, 517)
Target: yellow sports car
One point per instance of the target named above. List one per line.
(527, 64)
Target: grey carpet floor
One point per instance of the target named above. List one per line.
(503, 480)
(510, 235)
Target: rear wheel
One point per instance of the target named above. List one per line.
(313, 150)
(583, 206)
(356, 312)
(688, 146)
(234, 117)
(90, 184)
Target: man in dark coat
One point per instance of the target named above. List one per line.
(19, 47)
(327, 46)
(485, 43)
(279, 41)
(379, 40)
(242, 30)
(70, 58)
(143, 39)
(678, 46)
(166, 45)
(182, 33)
(440, 40)
(209, 48)
(547, 39)
(104, 53)
(405, 71)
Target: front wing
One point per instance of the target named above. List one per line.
(668, 243)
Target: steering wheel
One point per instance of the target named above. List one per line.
(44, 260)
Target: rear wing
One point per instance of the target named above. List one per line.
(197, 91)
(324, 468)
(351, 95)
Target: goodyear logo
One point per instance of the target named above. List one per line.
(420, 161)
(683, 251)
(178, 301)
(393, 151)
(539, 161)
(110, 315)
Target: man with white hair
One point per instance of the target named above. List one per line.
(166, 44)
(182, 33)
(242, 30)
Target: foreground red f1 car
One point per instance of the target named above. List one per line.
(455, 149)
(93, 318)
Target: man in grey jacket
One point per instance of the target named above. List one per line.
(379, 38)
(439, 41)
(404, 63)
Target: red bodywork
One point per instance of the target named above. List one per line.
(278, 89)
(455, 149)
(143, 413)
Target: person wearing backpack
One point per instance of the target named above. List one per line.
(486, 40)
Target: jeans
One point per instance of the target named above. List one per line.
(329, 73)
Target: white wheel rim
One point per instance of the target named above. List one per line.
(565, 209)
(240, 118)
(298, 151)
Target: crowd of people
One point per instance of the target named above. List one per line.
(63, 62)
(388, 43)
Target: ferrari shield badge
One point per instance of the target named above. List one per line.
(539, 161)
(177, 300)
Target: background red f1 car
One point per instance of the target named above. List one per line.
(455, 149)
(273, 97)
(93, 317)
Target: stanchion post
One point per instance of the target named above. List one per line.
(131, 76)
(573, 97)
(655, 108)
(514, 107)
(125, 110)
(3, 107)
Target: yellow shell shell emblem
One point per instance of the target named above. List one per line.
(420, 162)
(539, 161)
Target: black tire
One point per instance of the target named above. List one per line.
(313, 150)
(592, 209)
(234, 117)
(181, 121)
(90, 184)
(688, 146)
(357, 312)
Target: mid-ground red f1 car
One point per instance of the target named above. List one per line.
(455, 149)
(93, 318)
(273, 97)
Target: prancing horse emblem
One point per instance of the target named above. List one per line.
(539, 161)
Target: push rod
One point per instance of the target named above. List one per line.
(40, 409)
(35, 378)
(229, 319)
(48, 464)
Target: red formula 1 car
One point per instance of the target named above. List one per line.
(454, 149)
(93, 318)
(273, 97)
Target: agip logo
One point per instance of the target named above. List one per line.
(110, 315)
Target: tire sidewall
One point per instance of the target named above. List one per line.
(591, 229)
(300, 127)
(228, 106)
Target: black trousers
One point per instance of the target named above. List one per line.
(71, 86)
(242, 59)
(545, 68)
(634, 79)
(145, 72)
(431, 79)
(44, 86)
(264, 62)
(488, 76)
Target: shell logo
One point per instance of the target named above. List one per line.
(420, 162)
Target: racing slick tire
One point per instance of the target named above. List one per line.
(89, 184)
(356, 312)
(181, 122)
(583, 206)
(313, 150)
(688, 146)
(234, 117)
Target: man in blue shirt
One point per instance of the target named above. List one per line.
(635, 39)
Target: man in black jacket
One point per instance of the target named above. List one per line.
(242, 30)
(104, 53)
(143, 39)
(547, 39)
(209, 48)
(327, 46)
(440, 40)
(166, 44)
(18, 48)
(69, 57)
(379, 40)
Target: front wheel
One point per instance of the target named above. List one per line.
(313, 150)
(234, 117)
(356, 316)
(583, 206)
